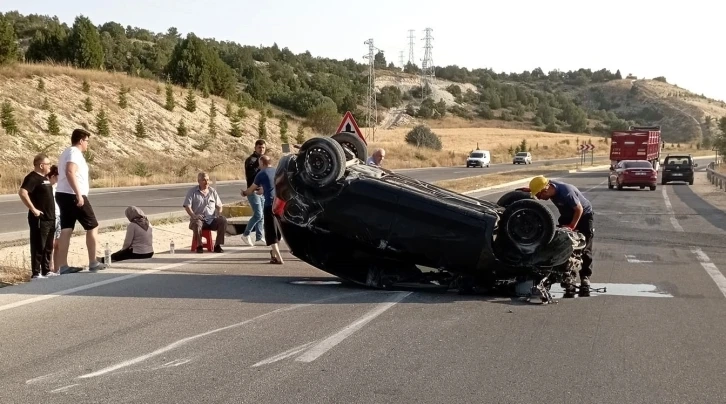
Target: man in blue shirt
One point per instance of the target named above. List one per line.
(265, 179)
(575, 213)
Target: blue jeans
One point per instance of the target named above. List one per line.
(256, 202)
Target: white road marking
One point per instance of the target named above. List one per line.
(328, 343)
(113, 280)
(618, 289)
(13, 213)
(64, 388)
(634, 260)
(162, 199)
(710, 268)
(186, 340)
(283, 355)
(41, 378)
(174, 363)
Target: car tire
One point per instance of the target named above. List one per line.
(320, 162)
(513, 196)
(353, 143)
(652, 188)
(528, 225)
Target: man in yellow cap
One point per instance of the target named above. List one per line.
(575, 213)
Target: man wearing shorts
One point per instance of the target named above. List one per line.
(265, 179)
(72, 198)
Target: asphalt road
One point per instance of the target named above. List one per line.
(109, 204)
(232, 328)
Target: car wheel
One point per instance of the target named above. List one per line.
(321, 162)
(528, 224)
(690, 182)
(353, 143)
(513, 196)
(610, 184)
(652, 188)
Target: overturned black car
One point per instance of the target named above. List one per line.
(371, 226)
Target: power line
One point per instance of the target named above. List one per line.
(372, 108)
(410, 48)
(427, 63)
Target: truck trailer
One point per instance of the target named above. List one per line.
(636, 143)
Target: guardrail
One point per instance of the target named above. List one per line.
(716, 178)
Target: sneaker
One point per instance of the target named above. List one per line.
(247, 239)
(98, 266)
(39, 276)
(69, 270)
(584, 286)
(49, 274)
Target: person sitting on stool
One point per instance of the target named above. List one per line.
(139, 241)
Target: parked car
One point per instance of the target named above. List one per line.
(479, 158)
(522, 158)
(373, 227)
(680, 167)
(633, 173)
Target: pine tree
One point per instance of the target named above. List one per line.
(283, 130)
(241, 112)
(84, 44)
(235, 131)
(9, 52)
(86, 87)
(53, 126)
(212, 116)
(229, 110)
(41, 84)
(300, 138)
(46, 105)
(102, 123)
(122, 101)
(261, 128)
(7, 118)
(191, 101)
(170, 104)
(140, 129)
(87, 104)
(181, 129)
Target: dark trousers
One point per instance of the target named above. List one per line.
(587, 228)
(42, 233)
(128, 254)
(219, 224)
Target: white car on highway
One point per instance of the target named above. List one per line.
(522, 158)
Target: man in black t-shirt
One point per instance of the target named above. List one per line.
(256, 200)
(36, 192)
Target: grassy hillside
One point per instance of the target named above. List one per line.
(263, 92)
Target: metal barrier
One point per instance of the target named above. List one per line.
(716, 178)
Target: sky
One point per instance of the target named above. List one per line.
(680, 41)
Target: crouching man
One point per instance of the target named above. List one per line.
(576, 213)
(204, 207)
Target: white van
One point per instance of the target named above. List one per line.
(479, 158)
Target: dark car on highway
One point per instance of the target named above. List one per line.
(633, 173)
(678, 167)
(374, 227)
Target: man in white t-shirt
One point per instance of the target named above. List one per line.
(72, 199)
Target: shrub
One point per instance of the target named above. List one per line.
(422, 136)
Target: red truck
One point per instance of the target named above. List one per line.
(636, 143)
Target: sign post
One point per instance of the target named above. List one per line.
(348, 124)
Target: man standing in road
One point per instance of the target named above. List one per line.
(376, 159)
(256, 199)
(36, 192)
(204, 207)
(72, 198)
(576, 213)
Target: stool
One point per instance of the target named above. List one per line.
(206, 234)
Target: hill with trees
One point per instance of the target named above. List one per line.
(204, 100)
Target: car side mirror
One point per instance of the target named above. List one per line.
(695, 164)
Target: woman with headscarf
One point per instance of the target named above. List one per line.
(139, 242)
